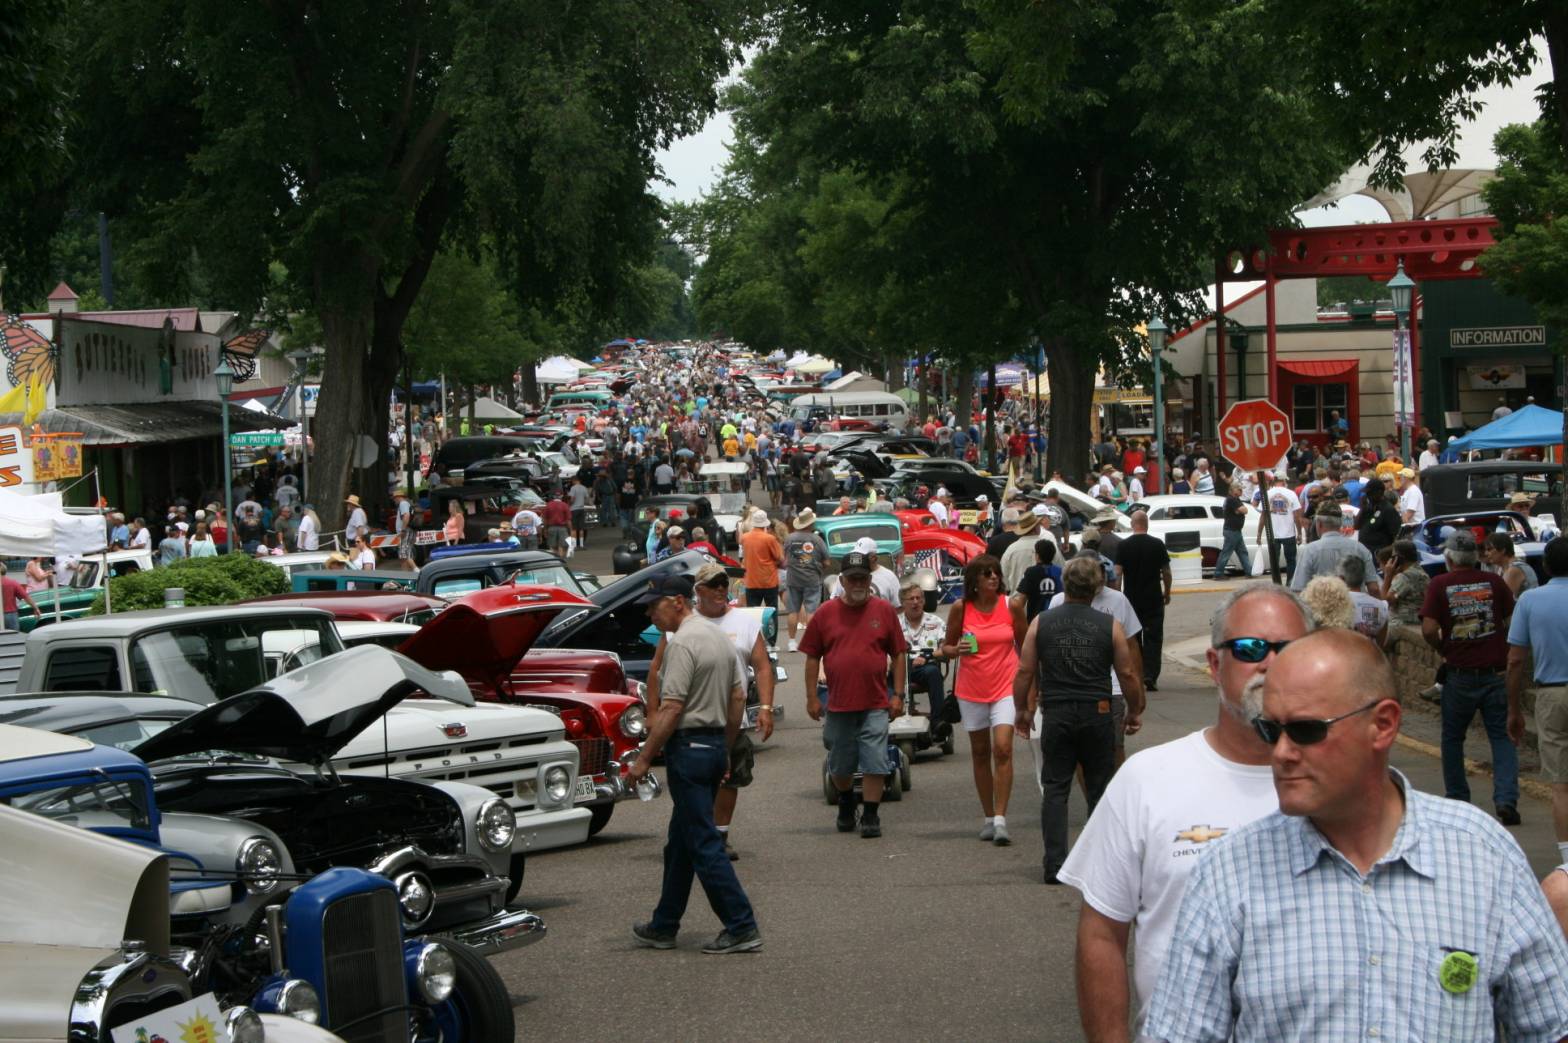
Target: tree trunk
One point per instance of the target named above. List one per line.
(990, 419)
(1557, 48)
(1072, 396)
(964, 399)
(530, 383)
(343, 410)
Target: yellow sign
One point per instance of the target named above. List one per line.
(56, 457)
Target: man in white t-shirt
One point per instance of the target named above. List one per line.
(937, 505)
(1429, 455)
(1163, 808)
(1284, 517)
(1412, 504)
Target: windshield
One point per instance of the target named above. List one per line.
(207, 662)
(104, 801)
(841, 535)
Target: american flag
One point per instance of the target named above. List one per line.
(929, 559)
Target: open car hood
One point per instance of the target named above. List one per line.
(865, 461)
(306, 715)
(482, 635)
(617, 596)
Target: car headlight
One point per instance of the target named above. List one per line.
(634, 722)
(495, 824)
(435, 972)
(298, 1000)
(557, 784)
(244, 1025)
(258, 865)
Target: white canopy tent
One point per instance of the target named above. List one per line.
(557, 370)
(38, 526)
(487, 408)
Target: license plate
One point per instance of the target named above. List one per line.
(584, 788)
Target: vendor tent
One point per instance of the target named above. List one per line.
(486, 408)
(38, 526)
(1530, 425)
(556, 370)
(815, 366)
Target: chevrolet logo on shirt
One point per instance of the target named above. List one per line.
(1202, 834)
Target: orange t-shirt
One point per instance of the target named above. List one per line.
(762, 556)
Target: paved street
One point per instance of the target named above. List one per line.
(926, 933)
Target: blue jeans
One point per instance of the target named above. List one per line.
(1288, 546)
(693, 766)
(929, 677)
(1235, 543)
(1465, 692)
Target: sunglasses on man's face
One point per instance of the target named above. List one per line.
(1302, 733)
(1251, 649)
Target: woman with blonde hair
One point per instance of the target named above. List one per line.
(1329, 600)
(452, 531)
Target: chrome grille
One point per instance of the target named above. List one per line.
(362, 943)
(593, 755)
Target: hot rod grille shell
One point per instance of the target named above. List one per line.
(363, 954)
(593, 755)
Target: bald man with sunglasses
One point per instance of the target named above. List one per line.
(1363, 909)
(1165, 808)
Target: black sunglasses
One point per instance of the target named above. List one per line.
(1302, 733)
(1252, 649)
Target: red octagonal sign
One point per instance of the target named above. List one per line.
(1254, 435)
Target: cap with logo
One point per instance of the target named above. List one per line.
(856, 563)
(865, 545)
(668, 587)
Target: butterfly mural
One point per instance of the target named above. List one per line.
(241, 349)
(29, 355)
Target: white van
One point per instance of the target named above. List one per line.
(881, 408)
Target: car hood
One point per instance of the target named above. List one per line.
(307, 715)
(865, 461)
(482, 635)
(624, 591)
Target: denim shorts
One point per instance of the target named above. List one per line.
(797, 598)
(856, 737)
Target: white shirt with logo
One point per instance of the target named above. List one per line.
(1412, 500)
(1283, 505)
(1160, 813)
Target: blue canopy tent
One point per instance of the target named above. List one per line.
(1530, 425)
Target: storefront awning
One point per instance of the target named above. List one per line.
(1318, 368)
(148, 423)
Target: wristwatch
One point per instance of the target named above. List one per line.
(768, 707)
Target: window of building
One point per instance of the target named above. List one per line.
(1311, 405)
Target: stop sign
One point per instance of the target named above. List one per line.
(1254, 435)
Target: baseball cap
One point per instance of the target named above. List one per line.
(674, 530)
(711, 573)
(855, 564)
(1460, 541)
(1040, 510)
(1140, 469)
(865, 545)
(1405, 472)
(668, 587)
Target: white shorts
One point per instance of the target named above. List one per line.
(982, 717)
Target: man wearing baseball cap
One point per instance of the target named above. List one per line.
(1412, 504)
(857, 636)
(884, 582)
(701, 703)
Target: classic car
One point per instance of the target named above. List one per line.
(945, 552)
(1528, 535)
(386, 606)
(485, 635)
(460, 574)
(206, 655)
(1487, 485)
(486, 505)
(304, 962)
(1190, 521)
(455, 454)
(85, 931)
(677, 508)
(72, 599)
(911, 520)
(299, 561)
(842, 530)
(310, 581)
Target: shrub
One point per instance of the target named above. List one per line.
(222, 580)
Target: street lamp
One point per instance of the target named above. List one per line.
(1157, 332)
(1401, 287)
(301, 359)
(224, 375)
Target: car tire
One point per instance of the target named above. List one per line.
(906, 751)
(601, 817)
(480, 1007)
(515, 872)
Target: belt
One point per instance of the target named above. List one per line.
(1487, 670)
(699, 731)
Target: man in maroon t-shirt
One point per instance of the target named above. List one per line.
(10, 590)
(857, 635)
(1465, 616)
(557, 518)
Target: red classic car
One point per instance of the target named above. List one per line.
(945, 552)
(486, 636)
(913, 520)
(379, 606)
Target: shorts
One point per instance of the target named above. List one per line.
(405, 545)
(742, 759)
(580, 519)
(556, 537)
(856, 738)
(1551, 726)
(762, 597)
(809, 598)
(982, 717)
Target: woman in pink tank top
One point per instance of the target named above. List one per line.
(983, 631)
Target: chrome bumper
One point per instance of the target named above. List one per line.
(502, 932)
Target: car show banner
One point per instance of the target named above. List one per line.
(1404, 388)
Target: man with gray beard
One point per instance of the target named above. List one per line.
(1164, 806)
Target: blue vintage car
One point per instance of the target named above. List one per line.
(1529, 537)
(842, 530)
(330, 950)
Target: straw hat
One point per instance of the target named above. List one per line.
(352, 501)
(1027, 524)
(805, 519)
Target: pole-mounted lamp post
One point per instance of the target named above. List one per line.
(224, 375)
(1401, 287)
(1157, 332)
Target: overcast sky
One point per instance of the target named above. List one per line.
(693, 164)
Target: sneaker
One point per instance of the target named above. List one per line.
(1050, 878)
(846, 818)
(870, 828)
(730, 852)
(1508, 815)
(999, 833)
(647, 936)
(794, 645)
(1433, 694)
(988, 831)
(746, 941)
